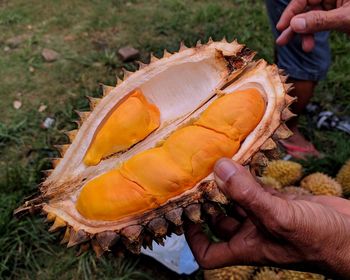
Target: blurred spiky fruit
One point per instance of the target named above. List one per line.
(285, 172)
(297, 275)
(267, 273)
(343, 178)
(321, 184)
(270, 182)
(230, 273)
(295, 190)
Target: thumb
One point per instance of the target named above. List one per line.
(315, 21)
(238, 184)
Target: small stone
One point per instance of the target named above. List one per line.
(69, 38)
(31, 69)
(6, 48)
(17, 104)
(42, 108)
(128, 53)
(48, 122)
(49, 55)
(14, 42)
(29, 27)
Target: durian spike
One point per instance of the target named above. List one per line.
(93, 102)
(153, 58)
(212, 209)
(281, 72)
(224, 40)
(210, 40)
(106, 89)
(272, 154)
(141, 64)
(107, 239)
(147, 242)
(71, 134)
(126, 74)
(77, 237)
(182, 46)
(158, 226)
(132, 238)
(259, 159)
(288, 87)
(287, 114)
(97, 248)
(82, 116)
(175, 216)
(50, 217)
(268, 145)
(214, 194)
(283, 78)
(119, 81)
(199, 43)
(178, 230)
(193, 212)
(47, 172)
(58, 224)
(289, 99)
(159, 240)
(55, 162)
(283, 132)
(62, 149)
(83, 248)
(66, 236)
(166, 53)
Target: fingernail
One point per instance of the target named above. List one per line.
(298, 24)
(224, 169)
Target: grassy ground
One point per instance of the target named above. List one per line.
(87, 34)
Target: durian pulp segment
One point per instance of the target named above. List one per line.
(152, 177)
(129, 123)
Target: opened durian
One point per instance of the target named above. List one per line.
(230, 273)
(142, 160)
(321, 184)
(343, 178)
(285, 172)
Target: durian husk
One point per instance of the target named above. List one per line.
(270, 182)
(343, 178)
(267, 273)
(285, 172)
(298, 275)
(230, 273)
(321, 184)
(231, 68)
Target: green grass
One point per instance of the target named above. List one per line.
(87, 35)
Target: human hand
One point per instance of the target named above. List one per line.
(268, 228)
(307, 17)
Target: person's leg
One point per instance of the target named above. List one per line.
(304, 70)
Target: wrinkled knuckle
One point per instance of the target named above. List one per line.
(205, 263)
(319, 20)
(283, 224)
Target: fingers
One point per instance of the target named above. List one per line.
(308, 42)
(238, 184)
(223, 226)
(294, 8)
(285, 36)
(316, 21)
(208, 255)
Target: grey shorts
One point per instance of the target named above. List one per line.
(299, 65)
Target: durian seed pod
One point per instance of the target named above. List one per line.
(270, 182)
(230, 273)
(298, 275)
(285, 172)
(267, 273)
(321, 184)
(298, 191)
(343, 178)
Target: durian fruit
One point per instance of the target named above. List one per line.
(230, 273)
(321, 184)
(285, 172)
(141, 161)
(267, 273)
(270, 182)
(298, 275)
(295, 190)
(343, 178)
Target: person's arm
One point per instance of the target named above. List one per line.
(309, 233)
(307, 17)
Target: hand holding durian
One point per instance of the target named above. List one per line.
(270, 228)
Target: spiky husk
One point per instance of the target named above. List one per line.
(285, 172)
(230, 273)
(270, 182)
(343, 178)
(69, 173)
(267, 273)
(321, 184)
(298, 275)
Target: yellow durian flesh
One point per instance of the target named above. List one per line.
(185, 158)
(130, 122)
